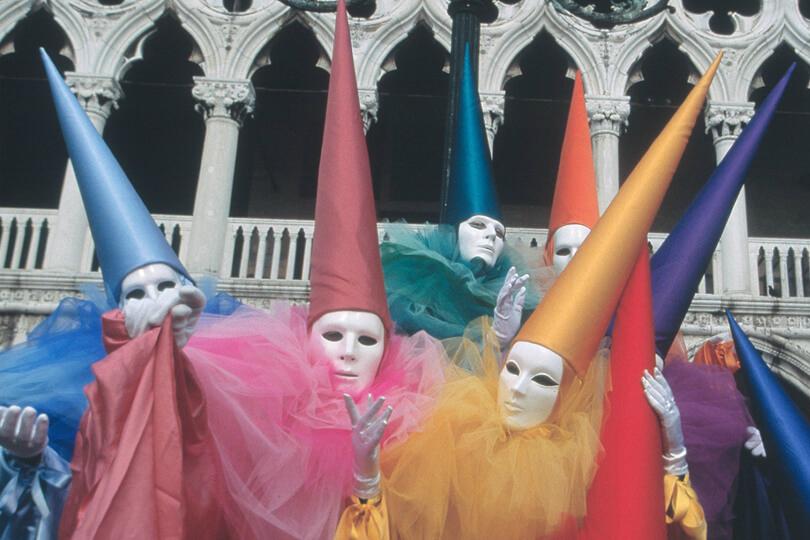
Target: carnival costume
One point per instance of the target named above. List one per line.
(429, 285)
(713, 412)
(144, 433)
(466, 474)
(280, 425)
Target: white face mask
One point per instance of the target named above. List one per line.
(567, 240)
(146, 291)
(354, 342)
(528, 386)
(481, 237)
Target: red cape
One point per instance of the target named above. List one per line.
(143, 466)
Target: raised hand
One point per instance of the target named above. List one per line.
(22, 433)
(661, 399)
(509, 307)
(367, 432)
(754, 443)
(185, 304)
(186, 313)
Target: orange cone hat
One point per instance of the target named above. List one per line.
(346, 273)
(575, 192)
(577, 309)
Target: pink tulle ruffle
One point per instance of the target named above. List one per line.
(281, 432)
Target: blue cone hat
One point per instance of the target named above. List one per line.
(785, 431)
(472, 187)
(124, 232)
(678, 265)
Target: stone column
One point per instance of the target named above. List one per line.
(608, 118)
(98, 95)
(726, 121)
(492, 106)
(224, 104)
(369, 107)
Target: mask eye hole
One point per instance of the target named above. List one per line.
(512, 368)
(368, 341)
(544, 380)
(163, 285)
(136, 294)
(564, 252)
(477, 225)
(332, 336)
(500, 233)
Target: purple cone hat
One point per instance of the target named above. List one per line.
(678, 265)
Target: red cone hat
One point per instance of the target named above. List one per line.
(346, 273)
(575, 192)
(630, 475)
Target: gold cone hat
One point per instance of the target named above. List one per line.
(576, 311)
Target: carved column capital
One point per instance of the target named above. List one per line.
(97, 94)
(726, 120)
(492, 106)
(607, 114)
(217, 98)
(369, 107)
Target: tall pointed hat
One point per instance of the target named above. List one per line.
(346, 272)
(575, 192)
(785, 430)
(124, 232)
(680, 262)
(472, 187)
(576, 310)
(630, 435)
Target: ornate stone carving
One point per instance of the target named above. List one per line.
(97, 94)
(492, 106)
(726, 120)
(220, 98)
(621, 11)
(607, 114)
(369, 107)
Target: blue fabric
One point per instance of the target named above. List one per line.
(472, 187)
(679, 264)
(32, 496)
(50, 370)
(429, 287)
(785, 432)
(114, 210)
(758, 505)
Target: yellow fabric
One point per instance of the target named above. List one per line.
(575, 312)
(683, 508)
(364, 520)
(465, 476)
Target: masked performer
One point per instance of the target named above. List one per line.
(144, 396)
(276, 383)
(441, 278)
(511, 455)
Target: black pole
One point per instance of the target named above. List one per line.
(467, 17)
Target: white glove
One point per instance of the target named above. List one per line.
(754, 443)
(509, 307)
(367, 431)
(660, 397)
(22, 433)
(185, 303)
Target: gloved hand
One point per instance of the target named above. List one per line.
(509, 307)
(754, 442)
(660, 397)
(367, 431)
(185, 303)
(23, 434)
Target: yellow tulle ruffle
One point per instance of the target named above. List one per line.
(465, 476)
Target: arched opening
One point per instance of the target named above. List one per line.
(804, 8)
(237, 6)
(406, 143)
(280, 146)
(665, 76)
(32, 153)
(721, 21)
(156, 134)
(778, 183)
(527, 146)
